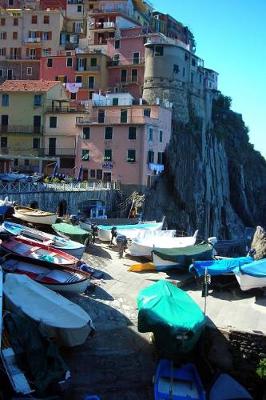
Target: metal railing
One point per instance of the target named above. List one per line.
(131, 119)
(89, 68)
(21, 129)
(68, 109)
(60, 152)
(129, 61)
(34, 187)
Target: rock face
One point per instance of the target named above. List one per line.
(259, 243)
(210, 181)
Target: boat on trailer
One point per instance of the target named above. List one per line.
(34, 216)
(30, 249)
(172, 383)
(57, 316)
(76, 249)
(60, 279)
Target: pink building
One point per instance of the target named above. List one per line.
(123, 143)
(126, 70)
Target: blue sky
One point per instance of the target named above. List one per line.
(231, 38)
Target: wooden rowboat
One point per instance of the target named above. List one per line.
(33, 216)
(60, 279)
(57, 316)
(42, 252)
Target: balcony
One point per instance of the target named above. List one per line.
(67, 109)
(88, 68)
(59, 152)
(32, 40)
(130, 61)
(103, 25)
(131, 119)
(21, 129)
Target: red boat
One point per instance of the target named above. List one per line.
(28, 248)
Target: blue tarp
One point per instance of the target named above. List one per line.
(219, 267)
(255, 268)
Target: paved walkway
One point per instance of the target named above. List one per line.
(118, 363)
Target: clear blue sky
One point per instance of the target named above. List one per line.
(231, 38)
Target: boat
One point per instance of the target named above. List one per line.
(57, 316)
(86, 223)
(34, 216)
(6, 207)
(74, 232)
(30, 249)
(130, 231)
(143, 244)
(252, 275)
(173, 317)
(76, 249)
(60, 279)
(172, 383)
(227, 388)
(223, 266)
(180, 257)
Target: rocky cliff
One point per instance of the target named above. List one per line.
(214, 179)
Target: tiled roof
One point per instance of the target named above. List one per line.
(27, 86)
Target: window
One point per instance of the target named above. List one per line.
(1, 72)
(91, 82)
(46, 19)
(150, 156)
(134, 75)
(5, 100)
(150, 135)
(193, 62)
(123, 116)
(49, 62)
(192, 77)
(160, 136)
(78, 79)
(34, 19)
(85, 155)
(131, 156)
(3, 142)
(108, 133)
(79, 8)
(101, 116)
(15, 162)
(115, 101)
(15, 21)
(132, 133)
(107, 155)
(73, 96)
(86, 133)
(158, 50)
(93, 62)
(99, 174)
(3, 21)
(116, 59)
(160, 158)
(53, 122)
(117, 44)
(29, 71)
(2, 51)
(36, 143)
(10, 3)
(147, 112)
(37, 100)
(92, 173)
(15, 35)
(26, 163)
(69, 62)
(123, 75)
(136, 58)
(3, 35)
(186, 56)
(176, 69)
(184, 71)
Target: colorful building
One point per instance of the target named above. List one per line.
(23, 105)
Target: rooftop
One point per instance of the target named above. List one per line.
(27, 86)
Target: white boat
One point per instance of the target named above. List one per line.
(252, 275)
(76, 249)
(130, 231)
(143, 245)
(57, 316)
(87, 223)
(35, 216)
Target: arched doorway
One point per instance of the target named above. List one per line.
(34, 204)
(62, 208)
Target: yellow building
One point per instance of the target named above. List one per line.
(22, 111)
(91, 70)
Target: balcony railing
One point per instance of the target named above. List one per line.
(68, 109)
(88, 68)
(32, 40)
(60, 152)
(129, 61)
(21, 129)
(133, 120)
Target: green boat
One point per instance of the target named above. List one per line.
(175, 320)
(74, 232)
(181, 257)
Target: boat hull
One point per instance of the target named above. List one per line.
(130, 231)
(161, 264)
(247, 282)
(57, 316)
(32, 216)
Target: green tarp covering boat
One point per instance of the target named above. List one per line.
(174, 318)
(181, 256)
(74, 232)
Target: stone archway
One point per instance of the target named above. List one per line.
(62, 208)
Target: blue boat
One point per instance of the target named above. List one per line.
(219, 267)
(173, 383)
(227, 388)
